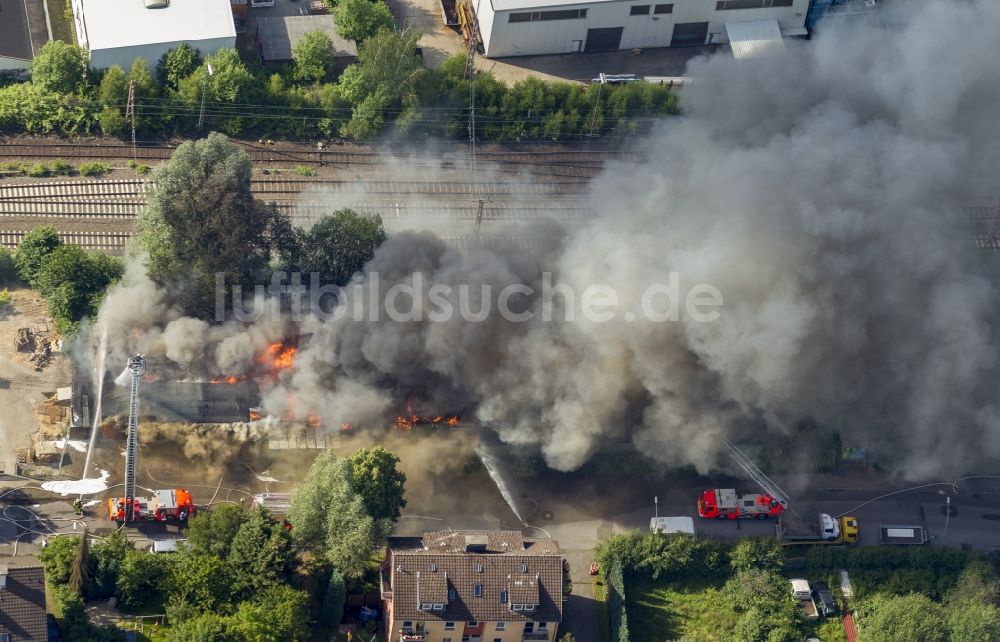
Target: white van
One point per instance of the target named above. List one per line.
(801, 590)
(165, 545)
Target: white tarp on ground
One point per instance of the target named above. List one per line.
(78, 486)
(77, 445)
(755, 39)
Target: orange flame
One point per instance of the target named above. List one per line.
(313, 421)
(346, 427)
(230, 379)
(278, 356)
(254, 415)
(411, 419)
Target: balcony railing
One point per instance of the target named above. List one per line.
(412, 636)
(537, 636)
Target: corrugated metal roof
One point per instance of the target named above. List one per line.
(755, 39)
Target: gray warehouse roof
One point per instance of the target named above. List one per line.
(279, 35)
(14, 39)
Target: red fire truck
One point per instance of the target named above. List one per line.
(164, 505)
(726, 503)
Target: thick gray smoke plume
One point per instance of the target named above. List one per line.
(821, 192)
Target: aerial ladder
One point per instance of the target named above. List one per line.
(164, 505)
(137, 368)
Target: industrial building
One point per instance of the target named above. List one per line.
(116, 32)
(23, 32)
(530, 27)
(277, 36)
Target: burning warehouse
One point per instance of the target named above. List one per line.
(185, 401)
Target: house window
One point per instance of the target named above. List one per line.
(407, 625)
(473, 625)
(529, 627)
(439, 607)
(542, 626)
(449, 626)
(451, 594)
(445, 639)
(561, 14)
(426, 607)
(501, 626)
(4, 637)
(479, 568)
(663, 8)
(477, 590)
(639, 10)
(497, 639)
(724, 5)
(503, 597)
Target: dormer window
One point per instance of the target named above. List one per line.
(503, 597)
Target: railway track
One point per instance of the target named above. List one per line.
(274, 189)
(337, 155)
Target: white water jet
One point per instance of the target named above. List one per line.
(102, 349)
(492, 465)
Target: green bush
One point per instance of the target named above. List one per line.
(142, 170)
(94, 169)
(62, 168)
(38, 170)
(302, 170)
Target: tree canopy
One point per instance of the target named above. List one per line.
(32, 251)
(902, 618)
(177, 64)
(338, 245)
(201, 220)
(359, 20)
(328, 514)
(59, 67)
(314, 57)
(380, 484)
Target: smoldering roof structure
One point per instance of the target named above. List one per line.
(184, 401)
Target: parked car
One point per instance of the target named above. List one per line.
(824, 599)
(800, 589)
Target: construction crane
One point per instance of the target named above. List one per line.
(164, 504)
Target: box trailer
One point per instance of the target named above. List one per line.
(903, 534)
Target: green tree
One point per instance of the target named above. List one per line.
(376, 479)
(359, 20)
(386, 61)
(974, 622)
(278, 614)
(901, 619)
(106, 558)
(8, 270)
(761, 553)
(58, 67)
(977, 583)
(201, 220)
(32, 251)
(113, 91)
(228, 82)
(314, 56)
(338, 246)
(764, 605)
(57, 558)
(212, 532)
(207, 627)
(333, 600)
(329, 515)
(73, 282)
(199, 583)
(260, 555)
(142, 576)
(79, 572)
(177, 64)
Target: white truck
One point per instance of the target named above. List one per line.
(802, 592)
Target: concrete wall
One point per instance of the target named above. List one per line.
(13, 64)
(503, 38)
(125, 56)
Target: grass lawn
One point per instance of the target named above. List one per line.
(826, 629)
(659, 611)
(62, 27)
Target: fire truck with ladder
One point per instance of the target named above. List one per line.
(726, 503)
(164, 505)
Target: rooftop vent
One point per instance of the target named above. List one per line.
(156, 4)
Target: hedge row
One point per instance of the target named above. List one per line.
(617, 609)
